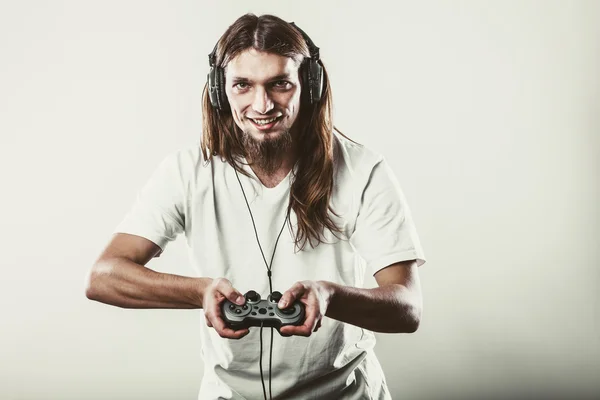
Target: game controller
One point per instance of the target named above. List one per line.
(257, 312)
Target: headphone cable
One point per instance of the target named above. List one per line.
(270, 283)
(262, 379)
(256, 233)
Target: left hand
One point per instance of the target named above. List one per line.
(315, 296)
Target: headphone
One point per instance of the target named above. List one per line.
(311, 72)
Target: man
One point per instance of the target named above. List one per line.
(270, 159)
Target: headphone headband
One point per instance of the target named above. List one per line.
(313, 50)
(212, 56)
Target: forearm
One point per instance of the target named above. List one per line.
(124, 283)
(389, 309)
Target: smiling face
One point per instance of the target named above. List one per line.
(263, 90)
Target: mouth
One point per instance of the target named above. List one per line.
(264, 124)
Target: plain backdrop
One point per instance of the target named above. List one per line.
(488, 112)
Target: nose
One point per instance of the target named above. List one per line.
(262, 101)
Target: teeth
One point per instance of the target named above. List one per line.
(263, 121)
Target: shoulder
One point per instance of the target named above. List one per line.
(184, 156)
(354, 157)
(188, 161)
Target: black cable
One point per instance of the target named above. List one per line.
(256, 233)
(260, 363)
(270, 283)
(270, 361)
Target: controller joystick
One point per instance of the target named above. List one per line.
(257, 312)
(275, 297)
(252, 296)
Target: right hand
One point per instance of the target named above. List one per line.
(214, 294)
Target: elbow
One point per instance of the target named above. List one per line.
(413, 324)
(410, 320)
(93, 280)
(410, 314)
(411, 309)
(90, 284)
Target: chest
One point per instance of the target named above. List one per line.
(271, 181)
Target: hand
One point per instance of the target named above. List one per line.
(315, 295)
(214, 294)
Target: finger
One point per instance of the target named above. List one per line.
(226, 289)
(215, 320)
(307, 327)
(292, 330)
(291, 295)
(312, 312)
(283, 331)
(288, 330)
(224, 331)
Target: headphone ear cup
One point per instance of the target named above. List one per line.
(223, 102)
(305, 95)
(313, 78)
(216, 89)
(317, 73)
(212, 88)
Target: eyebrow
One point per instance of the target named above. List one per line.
(238, 79)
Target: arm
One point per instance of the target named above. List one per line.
(393, 307)
(120, 278)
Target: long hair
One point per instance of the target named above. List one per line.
(312, 185)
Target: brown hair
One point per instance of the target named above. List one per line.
(312, 185)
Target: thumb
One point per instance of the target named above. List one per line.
(224, 286)
(236, 297)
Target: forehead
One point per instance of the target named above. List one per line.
(259, 66)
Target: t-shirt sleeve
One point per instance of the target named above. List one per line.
(385, 233)
(158, 211)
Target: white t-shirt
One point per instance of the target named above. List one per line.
(205, 202)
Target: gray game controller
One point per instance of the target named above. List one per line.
(257, 312)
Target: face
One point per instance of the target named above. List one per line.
(263, 90)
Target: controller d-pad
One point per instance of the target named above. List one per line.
(287, 311)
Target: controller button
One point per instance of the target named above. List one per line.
(238, 311)
(245, 307)
(232, 307)
(253, 313)
(270, 308)
(262, 311)
(271, 314)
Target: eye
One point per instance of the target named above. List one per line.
(282, 84)
(241, 85)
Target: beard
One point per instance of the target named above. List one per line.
(267, 154)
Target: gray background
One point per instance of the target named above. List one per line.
(487, 111)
